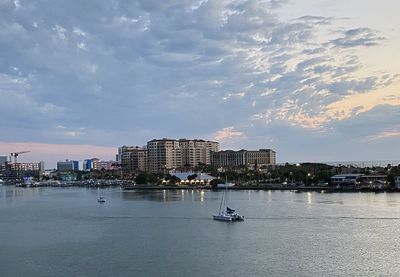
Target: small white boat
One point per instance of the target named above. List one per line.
(101, 199)
(226, 185)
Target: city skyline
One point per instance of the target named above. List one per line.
(315, 81)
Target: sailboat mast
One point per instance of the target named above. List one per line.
(222, 200)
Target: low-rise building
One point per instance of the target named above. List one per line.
(373, 181)
(191, 178)
(360, 180)
(345, 179)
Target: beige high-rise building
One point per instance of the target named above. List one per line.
(167, 154)
(197, 151)
(163, 155)
(132, 159)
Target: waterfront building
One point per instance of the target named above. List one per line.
(166, 154)
(373, 181)
(103, 165)
(196, 151)
(132, 159)
(3, 162)
(192, 178)
(163, 154)
(65, 166)
(229, 158)
(87, 165)
(20, 170)
(123, 149)
(345, 179)
(95, 163)
(248, 158)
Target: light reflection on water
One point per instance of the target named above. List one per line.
(164, 195)
(65, 232)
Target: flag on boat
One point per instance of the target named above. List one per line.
(229, 211)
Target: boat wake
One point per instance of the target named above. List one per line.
(323, 217)
(152, 217)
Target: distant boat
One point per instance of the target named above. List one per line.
(225, 213)
(226, 185)
(101, 199)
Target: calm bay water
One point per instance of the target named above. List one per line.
(65, 232)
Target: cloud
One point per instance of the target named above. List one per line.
(74, 133)
(385, 135)
(228, 133)
(358, 37)
(133, 71)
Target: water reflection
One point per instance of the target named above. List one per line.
(202, 193)
(164, 195)
(309, 198)
(13, 192)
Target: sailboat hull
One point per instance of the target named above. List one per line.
(222, 217)
(228, 217)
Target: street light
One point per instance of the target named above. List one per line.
(308, 175)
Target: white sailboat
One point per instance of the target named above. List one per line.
(101, 199)
(225, 213)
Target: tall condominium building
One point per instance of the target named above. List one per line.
(165, 154)
(243, 157)
(197, 151)
(132, 159)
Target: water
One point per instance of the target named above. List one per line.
(65, 232)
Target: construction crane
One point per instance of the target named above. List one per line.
(16, 154)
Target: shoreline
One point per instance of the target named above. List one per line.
(272, 187)
(266, 188)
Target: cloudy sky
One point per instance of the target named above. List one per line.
(315, 80)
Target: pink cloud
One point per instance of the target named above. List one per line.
(228, 133)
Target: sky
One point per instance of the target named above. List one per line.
(314, 80)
